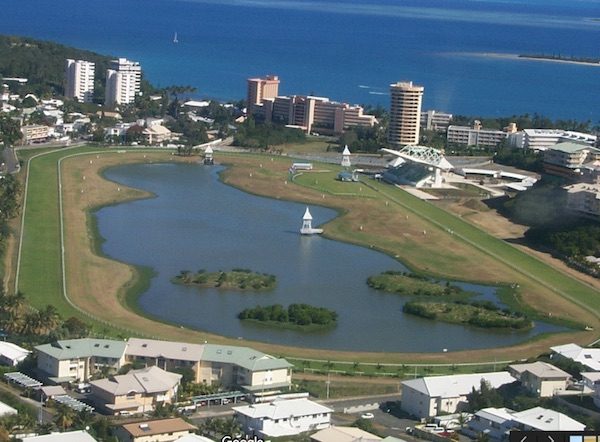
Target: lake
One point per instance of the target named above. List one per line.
(196, 222)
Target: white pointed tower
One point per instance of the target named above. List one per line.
(346, 157)
(307, 228)
(208, 156)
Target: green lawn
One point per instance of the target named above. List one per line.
(527, 265)
(327, 182)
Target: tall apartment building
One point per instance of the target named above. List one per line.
(260, 89)
(79, 79)
(405, 113)
(123, 80)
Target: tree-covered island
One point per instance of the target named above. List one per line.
(236, 279)
(296, 316)
(405, 283)
(478, 314)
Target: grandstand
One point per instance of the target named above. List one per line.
(418, 166)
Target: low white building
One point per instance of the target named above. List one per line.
(11, 354)
(590, 357)
(343, 434)
(283, 417)
(6, 410)
(429, 396)
(67, 436)
(540, 378)
(498, 422)
(542, 139)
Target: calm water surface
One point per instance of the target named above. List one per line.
(196, 222)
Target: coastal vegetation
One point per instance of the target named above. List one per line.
(478, 314)
(298, 315)
(265, 135)
(405, 283)
(589, 60)
(236, 279)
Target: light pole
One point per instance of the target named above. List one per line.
(327, 384)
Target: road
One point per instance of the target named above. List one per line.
(9, 158)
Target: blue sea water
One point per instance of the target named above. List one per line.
(348, 50)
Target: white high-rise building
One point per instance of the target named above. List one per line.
(123, 80)
(80, 80)
(405, 113)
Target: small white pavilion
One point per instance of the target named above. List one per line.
(208, 156)
(307, 228)
(346, 157)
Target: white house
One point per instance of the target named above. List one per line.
(68, 436)
(343, 434)
(11, 354)
(590, 357)
(283, 417)
(430, 396)
(540, 378)
(497, 422)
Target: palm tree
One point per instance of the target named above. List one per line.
(49, 319)
(64, 417)
(84, 419)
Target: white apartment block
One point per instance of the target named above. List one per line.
(405, 113)
(123, 80)
(477, 136)
(79, 76)
(542, 139)
(435, 120)
(584, 198)
(283, 417)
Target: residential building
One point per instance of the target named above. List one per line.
(67, 436)
(313, 114)
(160, 430)
(429, 396)
(542, 139)
(477, 136)
(156, 134)
(138, 391)
(35, 133)
(567, 159)
(590, 357)
(11, 354)
(75, 360)
(6, 410)
(260, 89)
(584, 198)
(283, 417)
(595, 384)
(540, 378)
(435, 120)
(5, 93)
(405, 113)
(123, 79)
(194, 438)
(589, 380)
(343, 434)
(498, 422)
(79, 76)
(230, 366)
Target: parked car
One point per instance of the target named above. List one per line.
(367, 416)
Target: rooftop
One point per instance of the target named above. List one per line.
(152, 348)
(590, 357)
(12, 351)
(150, 428)
(570, 147)
(69, 436)
(547, 420)
(245, 357)
(541, 370)
(146, 380)
(457, 385)
(81, 348)
(343, 434)
(281, 409)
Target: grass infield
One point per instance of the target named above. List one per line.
(423, 236)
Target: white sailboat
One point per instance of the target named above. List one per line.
(175, 40)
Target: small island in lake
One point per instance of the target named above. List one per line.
(236, 279)
(479, 314)
(296, 316)
(411, 284)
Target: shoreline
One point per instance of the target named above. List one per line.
(299, 352)
(522, 57)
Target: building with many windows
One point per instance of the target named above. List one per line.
(478, 136)
(435, 120)
(568, 159)
(260, 89)
(405, 113)
(79, 76)
(542, 139)
(123, 80)
(584, 198)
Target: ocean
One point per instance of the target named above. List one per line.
(348, 50)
